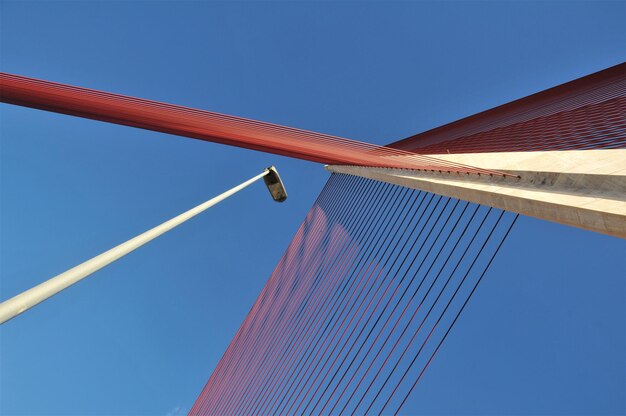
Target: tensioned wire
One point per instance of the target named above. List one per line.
(362, 228)
(441, 211)
(415, 313)
(363, 314)
(511, 121)
(309, 274)
(326, 318)
(374, 326)
(421, 197)
(205, 125)
(233, 347)
(310, 292)
(343, 258)
(315, 228)
(348, 210)
(356, 306)
(456, 317)
(339, 303)
(390, 315)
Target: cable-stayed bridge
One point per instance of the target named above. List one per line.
(398, 240)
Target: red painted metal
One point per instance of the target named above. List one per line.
(587, 113)
(214, 127)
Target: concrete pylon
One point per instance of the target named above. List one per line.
(580, 188)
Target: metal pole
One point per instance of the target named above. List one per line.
(31, 297)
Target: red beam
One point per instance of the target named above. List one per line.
(210, 126)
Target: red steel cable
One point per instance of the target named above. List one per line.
(493, 256)
(266, 363)
(415, 333)
(250, 330)
(547, 120)
(346, 339)
(381, 347)
(410, 320)
(311, 301)
(399, 319)
(299, 336)
(262, 296)
(339, 300)
(215, 127)
(318, 227)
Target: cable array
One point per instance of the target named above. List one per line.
(361, 301)
(587, 113)
(215, 127)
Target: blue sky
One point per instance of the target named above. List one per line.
(545, 334)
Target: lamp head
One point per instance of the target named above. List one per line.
(275, 185)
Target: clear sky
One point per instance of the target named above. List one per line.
(545, 333)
